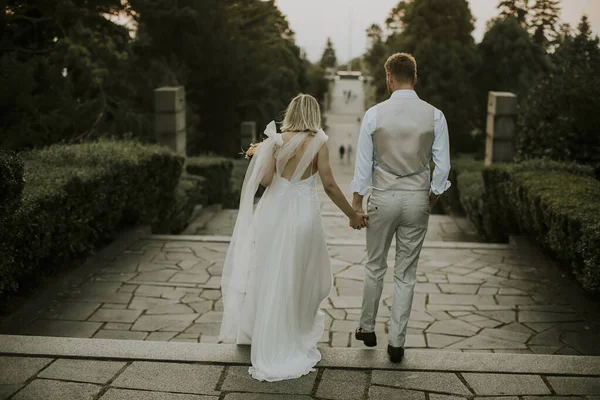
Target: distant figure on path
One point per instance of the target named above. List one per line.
(349, 151)
(342, 152)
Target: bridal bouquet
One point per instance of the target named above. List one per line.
(248, 154)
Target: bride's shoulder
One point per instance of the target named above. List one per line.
(322, 135)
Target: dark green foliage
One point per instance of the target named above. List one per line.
(76, 197)
(438, 34)
(217, 171)
(174, 217)
(560, 118)
(511, 62)
(237, 60)
(11, 180)
(328, 59)
(461, 164)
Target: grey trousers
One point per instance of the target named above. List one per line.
(405, 215)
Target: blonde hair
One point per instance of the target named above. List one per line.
(302, 115)
(402, 66)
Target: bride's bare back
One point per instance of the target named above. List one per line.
(295, 146)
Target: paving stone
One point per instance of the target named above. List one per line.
(7, 390)
(505, 384)
(170, 309)
(51, 389)
(205, 328)
(487, 290)
(536, 349)
(211, 294)
(90, 371)
(453, 327)
(427, 288)
(551, 398)
(80, 329)
(346, 301)
(435, 396)
(504, 334)
(117, 334)
(486, 342)
(117, 326)
(343, 326)
(186, 277)
(340, 339)
(488, 323)
(545, 316)
(170, 377)
(201, 306)
(439, 341)
(549, 337)
(458, 288)
(71, 311)
(238, 379)
(103, 315)
(342, 385)
(387, 393)
(211, 316)
(502, 316)
(466, 299)
(585, 343)
(426, 381)
(15, 370)
(514, 300)
(263, 396)
(91, 297)
(114, 306)
(575, 385)
(161, 336)
(415, 340)
(539, 326)
(151, 323)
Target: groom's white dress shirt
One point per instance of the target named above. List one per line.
(440, 150)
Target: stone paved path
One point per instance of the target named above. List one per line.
(469, 296)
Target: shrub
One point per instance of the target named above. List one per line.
(11, 180)
(76, 197)
(559, 208)
(462, 164)
(217, 171)
(177, 212)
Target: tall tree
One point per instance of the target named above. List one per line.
(438, 34)
(546, 21)
(377, 53)
(518, 9)
(329, 59)
(560, 120)
(511, 62)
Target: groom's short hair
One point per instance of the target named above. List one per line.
(402, 66)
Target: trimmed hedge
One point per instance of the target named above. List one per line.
(11, 180)
(217, 171)
(464, 167)
(175, 216)
(75, 199)
(557, 204)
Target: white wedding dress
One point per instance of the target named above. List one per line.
(277, 270)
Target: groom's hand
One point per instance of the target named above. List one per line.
(433, 198)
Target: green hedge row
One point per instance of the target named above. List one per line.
(76, 197)
(11, 180)
(558, 204)
(174, 217)
(217, 171)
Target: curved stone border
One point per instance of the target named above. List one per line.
(332, 357)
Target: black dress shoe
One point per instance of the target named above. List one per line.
(396, 353)
(368, 338)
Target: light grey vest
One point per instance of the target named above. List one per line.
(402, 144)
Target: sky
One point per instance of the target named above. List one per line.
(315, 20)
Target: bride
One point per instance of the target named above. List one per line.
(277, 269)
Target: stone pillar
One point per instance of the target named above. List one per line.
(248, 130)
(501, 123)
(169, 106)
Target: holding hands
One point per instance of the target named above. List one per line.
(359, 220)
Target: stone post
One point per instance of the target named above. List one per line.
(501, 122)
(169, 106)
(248, 130)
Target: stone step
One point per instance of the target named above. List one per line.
(371, 359)
(201, 218)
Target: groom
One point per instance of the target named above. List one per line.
(398, 139)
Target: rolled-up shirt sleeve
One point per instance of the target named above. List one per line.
(364, 154)
(441, 155)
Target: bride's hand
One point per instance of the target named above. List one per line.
(359, 220)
